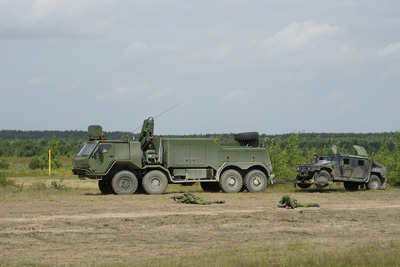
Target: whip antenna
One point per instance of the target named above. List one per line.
(165, 111)
(157, 116)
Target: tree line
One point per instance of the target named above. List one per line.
(285, 150)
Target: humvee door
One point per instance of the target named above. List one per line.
(353, 167)
(361, 151)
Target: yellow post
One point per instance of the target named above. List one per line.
(49, 162)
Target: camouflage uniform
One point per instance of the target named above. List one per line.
(291, 203)
(190, 198)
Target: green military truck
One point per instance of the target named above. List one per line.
(353, 170)
(150, 164)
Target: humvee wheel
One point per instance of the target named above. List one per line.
(322, 179)
(124, 183)
(374, 183)
(255, 181)
(303, 186)
(231, 181)
(350, 186)
(155, 182)
(210, 186)
(105, 187)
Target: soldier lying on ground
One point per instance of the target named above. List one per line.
(291, 203)
(189, 198)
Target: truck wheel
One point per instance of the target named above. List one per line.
(374, 183)
(248, 136)
(303, 186)
(210, 186)
(105, 187)
(255, 181)
(124, 183)
(322, 179)
(350, 186)
(231, 181)
(155, 182)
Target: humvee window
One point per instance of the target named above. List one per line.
(360, 163)
(346, 161)
(335, 158)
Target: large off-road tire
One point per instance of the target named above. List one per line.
(248, 136)
(351, 186)
(255, 181)
(124, 183)
(303, 186)
(155, 182)
(105, 187)
(210, 186)
(374, 183)
(231, 181)
(322, 179)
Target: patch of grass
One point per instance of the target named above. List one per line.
(38, 186)
(42, 186)
(291, 254)
(6, 182)
(19, 167)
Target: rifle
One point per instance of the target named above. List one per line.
(177, 197)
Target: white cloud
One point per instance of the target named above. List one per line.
(124, 93)
(298, 36)
(162, 93)
(41, 9)
(214, 53)
(392, 49)
(334, 97)
(140, 50)
(296, 97)
(36, 81)
(234, 95)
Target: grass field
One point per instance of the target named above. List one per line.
(60, 220)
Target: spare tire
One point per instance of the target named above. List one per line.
(248, 136)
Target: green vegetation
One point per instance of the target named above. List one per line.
(6, 182)
(285, 150)
(291, 254)
(285, 154)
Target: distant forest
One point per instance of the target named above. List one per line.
(34, 143)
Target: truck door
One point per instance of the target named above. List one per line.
(346, 167)
(360, 168)
(102, 158)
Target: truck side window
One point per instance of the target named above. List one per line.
(346, 161)
(360, 163)
(103, 149)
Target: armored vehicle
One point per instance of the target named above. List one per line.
(353, 170)
(150, 164)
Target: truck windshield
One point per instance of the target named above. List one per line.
(86, 150)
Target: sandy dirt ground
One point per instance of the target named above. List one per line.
(80, 227)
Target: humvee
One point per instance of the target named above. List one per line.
(353, 170)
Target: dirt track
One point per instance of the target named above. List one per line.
(76, 227)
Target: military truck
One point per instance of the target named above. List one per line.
(353, 170)
(150, 164)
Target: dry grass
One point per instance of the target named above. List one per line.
(68, 190)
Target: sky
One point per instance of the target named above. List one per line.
(227, 66)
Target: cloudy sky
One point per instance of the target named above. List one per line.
(231, 65)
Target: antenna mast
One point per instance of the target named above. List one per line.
(157, 116)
